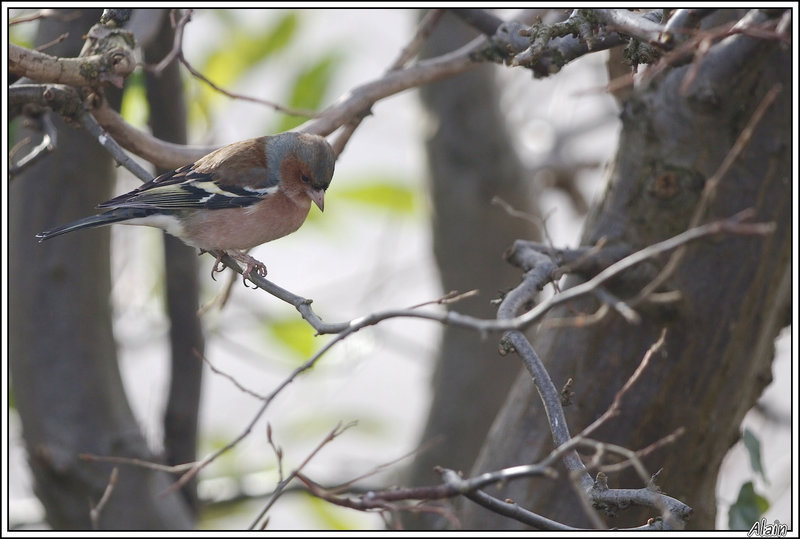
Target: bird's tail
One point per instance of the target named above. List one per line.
(106, 218)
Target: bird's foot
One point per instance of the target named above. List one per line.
(250, 263)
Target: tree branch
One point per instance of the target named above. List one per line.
(733, 225)
(110, 66)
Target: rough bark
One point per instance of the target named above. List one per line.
(66, 381)
(734, 292)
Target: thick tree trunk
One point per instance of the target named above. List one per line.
(734, 292)
(66, 382)
(471, 160)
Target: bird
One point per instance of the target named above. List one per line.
(239, 196)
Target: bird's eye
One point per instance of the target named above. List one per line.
(306, 179)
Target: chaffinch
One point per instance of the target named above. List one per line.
(237, 197)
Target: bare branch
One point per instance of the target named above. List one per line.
(626, 22)
(233, 380)
(162, 154)
(90, 124)
(111, 66)
(337, 431)
(546, 55)
(424, 29)
(44, 14)
(175, 469)
(280, 108)
(41, 150)
(680, 24)
(177, 45)
(511, 510)
(94, 511)
(616, 403)
(454, 485)
(52, 43)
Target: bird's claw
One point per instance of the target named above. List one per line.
(250, 263)
(253, 264)
(218, 267)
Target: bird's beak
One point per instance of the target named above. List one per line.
(318, 196)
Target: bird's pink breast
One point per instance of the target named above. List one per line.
(243, 228)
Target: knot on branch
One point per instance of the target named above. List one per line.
(112, 67)
(33, 99)
(579, 24)
(505, 347)
(107, 54)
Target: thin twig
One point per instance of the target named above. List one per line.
(511, 510)
(453, 296)
(38, 152)
(44, 14)
(96, 510)
(710, 189)
(199, 465)
(177, 43)
(424, 30)
(642, 453)
(380, 467)
(174, 469)
(52, 43)
(93, 127)
(732, 225)
(337, 431)
(616, 404)
(233, 380)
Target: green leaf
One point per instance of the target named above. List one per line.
(381, 194)
(243, 50)
(309, 89)
(134, 107)
(295, 334)
(22, 34)
(753, 446)
(748, 508)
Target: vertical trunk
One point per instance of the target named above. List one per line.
(471, 160)
(165, 97)
(66, 381)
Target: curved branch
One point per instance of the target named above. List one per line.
(350, 107)
(733, 225)
(540, 270)
(91, 125)
(359, 100)
(39, 151)
(162, 154)
(626, 22)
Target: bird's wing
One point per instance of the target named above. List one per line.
(187, 189)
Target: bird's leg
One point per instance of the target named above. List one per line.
(250, 265)
(218, 266)
(249, 262)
